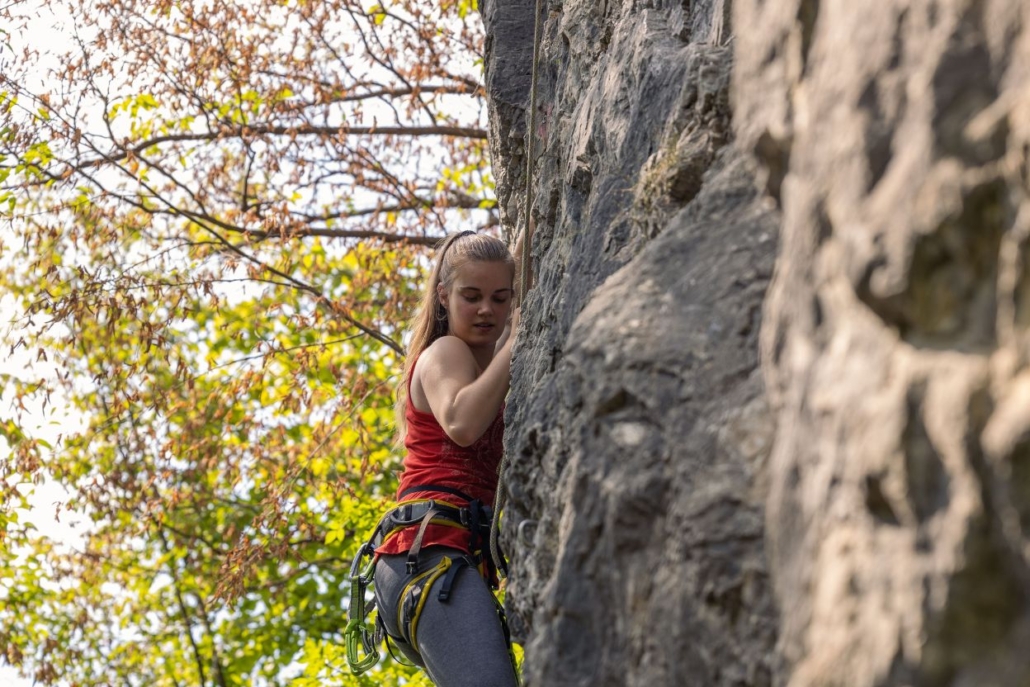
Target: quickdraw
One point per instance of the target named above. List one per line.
(358, 632)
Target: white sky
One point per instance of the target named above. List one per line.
(57, 419)
(47, 425)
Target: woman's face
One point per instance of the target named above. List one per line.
(478, 302)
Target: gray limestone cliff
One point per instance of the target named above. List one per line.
(637, 413)
(895, 343)
(724, 477)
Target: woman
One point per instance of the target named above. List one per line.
(433, 576)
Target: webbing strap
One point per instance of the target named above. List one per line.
(437, 488)
(448, 577)
(474, 535)
(416, 545)
(413, 600)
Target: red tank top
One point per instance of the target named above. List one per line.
(433, 458)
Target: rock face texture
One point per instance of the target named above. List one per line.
(638, 424)
(818, 480)
(895, 342)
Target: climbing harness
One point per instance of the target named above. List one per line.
(495, 526)
(364, 636)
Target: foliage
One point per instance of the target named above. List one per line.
(215, 222)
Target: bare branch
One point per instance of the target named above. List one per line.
(122, 152)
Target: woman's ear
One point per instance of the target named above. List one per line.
(441, 296)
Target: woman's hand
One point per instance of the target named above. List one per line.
(508, 335)
(516, 253)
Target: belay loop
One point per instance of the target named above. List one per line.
(359, 634)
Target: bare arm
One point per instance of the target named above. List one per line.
(464, 405)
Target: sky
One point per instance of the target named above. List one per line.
(57, 418)
(48, 424)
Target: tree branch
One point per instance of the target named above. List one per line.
(122, 152)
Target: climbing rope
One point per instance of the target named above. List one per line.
(530, 158)
(495, 528)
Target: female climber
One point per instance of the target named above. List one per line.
(433, 573)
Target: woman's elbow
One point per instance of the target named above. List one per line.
(462, 436)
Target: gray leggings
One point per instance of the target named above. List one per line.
(461, 642)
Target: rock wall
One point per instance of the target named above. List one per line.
(822, 480)
(895, 135)
(637, 420)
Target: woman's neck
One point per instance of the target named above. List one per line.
(483, 357)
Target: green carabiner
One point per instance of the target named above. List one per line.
(358, 633)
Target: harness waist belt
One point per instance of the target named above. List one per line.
(411, 514)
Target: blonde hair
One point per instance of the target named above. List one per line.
(430, 321)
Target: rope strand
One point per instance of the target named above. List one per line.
(495, 528)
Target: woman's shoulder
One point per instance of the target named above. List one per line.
(446, 347)
(447, 358)
(446, 353)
